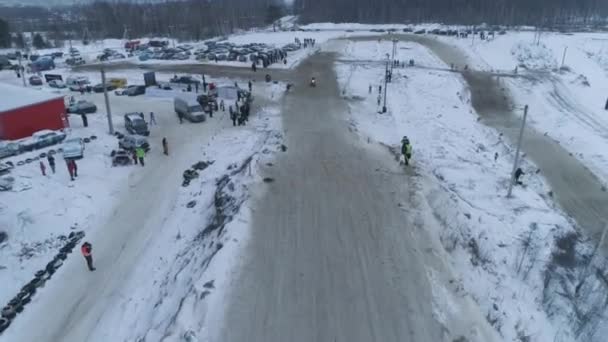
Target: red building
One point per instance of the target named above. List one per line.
(24, 111)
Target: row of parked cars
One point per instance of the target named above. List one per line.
(441, 32)
(72, 148)
(180, 52)
(252, 52)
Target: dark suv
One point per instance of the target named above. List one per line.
(135, 124)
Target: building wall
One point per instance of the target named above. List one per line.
(22, 122)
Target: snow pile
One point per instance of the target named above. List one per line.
(463, 170)
(532, 56)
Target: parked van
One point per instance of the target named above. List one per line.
(189, 109)
(135, 124)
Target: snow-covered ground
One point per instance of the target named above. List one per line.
(567, 104)
(41, 208)
(499, 246)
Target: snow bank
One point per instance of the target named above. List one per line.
(533, 56)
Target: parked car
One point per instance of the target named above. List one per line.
(98, 88)
(120, 157)
(136, 90)
(82, 107)
(75, 60)
(8, 149)
(42, 139)
(35, 80)
(122, 91)
(189, 109)
(73, 148)
(56, 84)
(131, 142)
(135, 124)
(185, 80)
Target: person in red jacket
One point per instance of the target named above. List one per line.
(86, 252)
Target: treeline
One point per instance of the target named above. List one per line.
(547, 13)
(186, 19)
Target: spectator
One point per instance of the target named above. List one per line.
(139, 151)
(75, 168)
(70, 169)
(152, 119)
(51, 161)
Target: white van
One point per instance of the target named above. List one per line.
(189, 109)
(77, 82)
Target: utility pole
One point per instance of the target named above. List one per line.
(105, 95)
(516, 161)
(22, 69)
(385, 83)
(564, 57)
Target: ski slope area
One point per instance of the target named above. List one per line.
(465, 186)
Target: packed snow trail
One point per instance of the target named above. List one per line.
(332, 257)
(68, 308)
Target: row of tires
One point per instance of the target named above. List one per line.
(49, 152)
(17, 304)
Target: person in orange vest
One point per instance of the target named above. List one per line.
(86, 252)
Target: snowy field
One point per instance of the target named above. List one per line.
(566, 103)
(500, 257)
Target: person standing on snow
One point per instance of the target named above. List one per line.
(250, 86)
(406, 150)
(70, 169)
(152, 119)
(51, 161)
(86, 249)
(518, 173)
(74, 167)
(140, 155)
(165, 146)
(42, 168)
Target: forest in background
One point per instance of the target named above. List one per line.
(545, 13)
(188, 19)
(199, 19)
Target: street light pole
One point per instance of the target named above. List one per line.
(105, 95)
(516, 161)
(385, 83)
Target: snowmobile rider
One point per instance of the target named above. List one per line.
(313, 82)
(406, 149)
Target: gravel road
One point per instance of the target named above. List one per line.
(331, 256)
